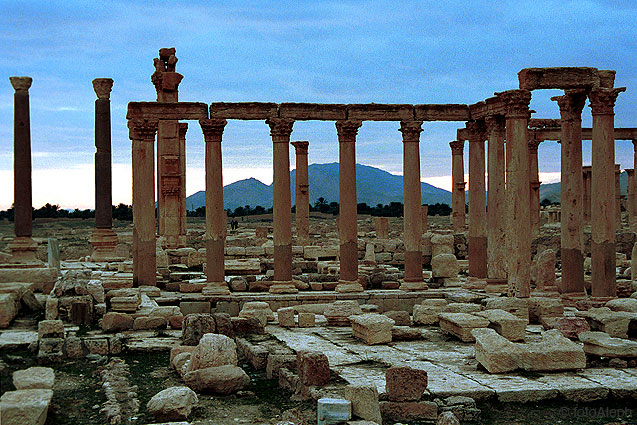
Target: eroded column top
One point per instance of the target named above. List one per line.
(516, 103)
(411, 130)
(280, 129)
(103, 87)
(603, 100)
(21, 84)
(347, 130)
(571, 104)
(476, 131)
(457, 147)
(212, 128)
(300, 146)
(142, 129)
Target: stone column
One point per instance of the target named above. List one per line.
(477, 236)
(496, 199)
(424, 209)
(348, 229)
(534, 187)
(633, 191)
(280, 130)
(169, 184)
(618, 197)
(457, 192)
(142, 135)
(586, 176)
(571, 199)
(630, 194)
(603, 192)
(23, 247)
(302, 195)
(412, 234)
(183, 212)
(103, 239)
(516, 104)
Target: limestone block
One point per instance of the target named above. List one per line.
(364, 399)
(96, 346)
(307, 320)
(372, 328)
(195, 326)
(623, 304)
(223, 323)
(313, 368)
(544, 307)
(43, 278)
(192, 307)
(259, 310)
(214, 350)
(403, 383)
(50, 308)
(246, 325)
(172, 404)
(427, 312)
(25, 407)
(34, 378)
(517, 306)
(441, 244)
(447, 418)
(150, 322)
(238, 251)
(116, 322)
(338, 313)
(461, 324)
(286, 317)
(223, 380)
(545, 264)
(128, 304)
(50, 329)
(444, 265)
(614, 323)
(400, 317)
(411, 411)
(255, 251)
(461, 308)
(73, 348)
(96, 290)
(8, 309)
(569, 326)
(505, 323)
(276, 362)
(558, 78)
(603, 345)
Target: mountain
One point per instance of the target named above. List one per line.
(373, 186)
(551, 191)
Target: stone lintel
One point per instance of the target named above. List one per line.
(563, 78)
(244, 110)
(587, 134)
(462, 134)
(541, 123)
(167, 111)
(380, 112)
(313, 111)
(485, 108)
(442, 112)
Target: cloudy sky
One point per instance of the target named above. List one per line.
(339, 51)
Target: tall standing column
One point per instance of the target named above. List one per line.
(571, 199)
(280, 130)
(516, 103)
(23, 247)
(215, 219)
(477, 237)
(302, 195)
(534, 186)
(633, 190)
(458, 189)
(183, 211)
(142, 135)
(603, 192)
(587, 172)
(412, 233)
(618, 197)
(103, 239)
(348, 228)
(630, 194)
(496, 199)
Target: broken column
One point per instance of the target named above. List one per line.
(142, 135)
(103, 239)
(280, 130)
(413, 279)
(348, 229)
(534, 186)
(587, 172)
(571, 199)
(516, 105)
(302, 195)
(477, 237)
(603, 192)
(215, 218)
(457, 191)
(496, 199)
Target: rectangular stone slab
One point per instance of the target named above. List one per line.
(244, 110)
(461, 324)
(449, 112)
(380, 112)
(558, 78)
(313, 111)
(167, 111)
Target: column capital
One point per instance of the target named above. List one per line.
(533, 145)
(476, 131)
(103, 87)
(457, 147)
(494, 123)
(347, 130)
(516, 103)
(21, 84)
(571, 104)
(142, 129)
(280, 129)
(603, 100)
(410, 130)
(300, 146)
(212, 129)
(165, 79)
(183, 129)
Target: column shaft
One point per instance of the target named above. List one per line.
(183, 210)
(618, 197)
(496, 199)
(586, 175)
(458, 188)
(477, 237)
(534, 187)
(302, 195)
(632, 199)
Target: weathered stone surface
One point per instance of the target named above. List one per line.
(338, 313)
(447, 418)
(505, 323)
(286, 317)
(146, 322)
(540, 307)
(178, 349)
(25, 407)
(441, 244)
(50, 329)
(313, 368)
(405, 333)
(246, 325)
(408, 411)
(403, 383)
(223, 324)
(623, 304)
(364, 399)
(116, 322)
(8, 309)
(34, 378)
(569, 326)
(545, 266)
(307, 320)
(400, 317)
(558, 78)
(517, 306)
(226, 379)
(129, 304)
(445, 265)
(461, 324)
(174, 403)
(461, 308)
(372, 328)
(603, 345)
(276, 362)
(427, 312)
(614, 323)
(214, 350)
(96, 290)
(196, 326)
(259, 310)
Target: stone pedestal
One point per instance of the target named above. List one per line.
(477, 236)
(457, 192)
(302, 194)
(496, 199)
(534, 187)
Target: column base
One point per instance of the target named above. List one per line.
(215, 288)
(413, 286)
(104, 242)
(23, 250)
(281, 287)
(349, 286)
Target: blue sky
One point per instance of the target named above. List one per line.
(291, 51)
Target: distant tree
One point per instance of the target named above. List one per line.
(122, 212)
(439, 209)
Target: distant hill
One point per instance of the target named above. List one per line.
(373, 186)
(551, 191)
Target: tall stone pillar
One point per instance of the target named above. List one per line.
(603, 192)
(618, 197)
(183, 211)
(477, 237)
(412, 234)
(587, 172)
(280, 130)
(630, 195)
(534, 187)
(516, 103)
(215, 218)
(458, 189)
(103, 239)
(571, 199)
(302, 195)
(142, 135)
(169, 184)
(496, 199)
(23, 247)
(348, 229)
